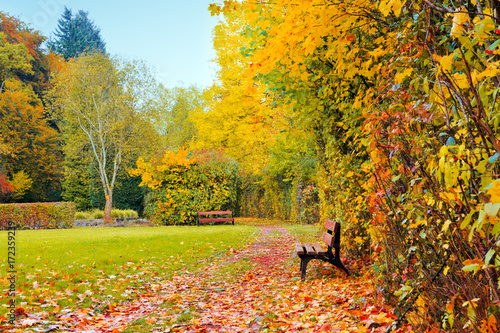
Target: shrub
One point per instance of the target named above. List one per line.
(22, 183)
(127, 194)
(81, 216)
(97, 214)
(131, 213)
(115, 214)
(46, 215)
(183, 183)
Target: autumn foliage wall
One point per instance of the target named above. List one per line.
(398, 101)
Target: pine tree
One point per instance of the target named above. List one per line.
(76, 34)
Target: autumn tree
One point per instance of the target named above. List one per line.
(137, 89)
(17, 33)
(76, 34)
(172, 112)
(30, 155)
(92, 96)
(234, 118)
(34, 150)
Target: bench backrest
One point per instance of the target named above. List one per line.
(215, 216)
(227, 212)
(332, 236)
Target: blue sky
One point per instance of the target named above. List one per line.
(172, 36)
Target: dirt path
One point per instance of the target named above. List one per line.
(255, 289)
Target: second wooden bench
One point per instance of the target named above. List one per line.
(219, 216)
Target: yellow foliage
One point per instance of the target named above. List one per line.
(494, 191)
(22, 183)
(401, 76)
(460, 20)
(237, 119)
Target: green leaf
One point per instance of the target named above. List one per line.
(488, 257)
(493, 46)
(471, 268)
(451, 142)
(495, 232)
(466, 221)
(395, 179)
(491, 209)
(478, 224)
(481, 166)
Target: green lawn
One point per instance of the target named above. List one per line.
(305, 231)
(80, 267)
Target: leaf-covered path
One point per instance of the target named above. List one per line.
(255, 289)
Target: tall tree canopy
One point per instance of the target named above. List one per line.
(29, 147)
(102, 121)
(235, 118)
(172, 113)
(76, 34)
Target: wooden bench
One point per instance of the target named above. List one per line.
(308, 252)
(222, 216)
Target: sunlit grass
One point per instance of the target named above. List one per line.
(69, 268)
(304, 233)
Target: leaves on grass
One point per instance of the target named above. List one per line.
(226, 295)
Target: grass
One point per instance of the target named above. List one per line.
(81, 267)
(304, 232)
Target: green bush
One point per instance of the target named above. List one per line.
(39, 215)
(99, 214)
(131, 213)
(82, 216)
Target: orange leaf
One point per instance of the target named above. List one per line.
(490, 325)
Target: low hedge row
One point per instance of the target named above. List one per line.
(99, 214)
(39, 215)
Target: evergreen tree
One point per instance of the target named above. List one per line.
(76, 34)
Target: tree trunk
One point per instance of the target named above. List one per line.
(107, 208)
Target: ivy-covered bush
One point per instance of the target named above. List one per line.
(184, 183)
(39, 215)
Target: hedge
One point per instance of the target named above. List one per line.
(39, 215)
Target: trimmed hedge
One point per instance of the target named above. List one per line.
(99, 214)
(38, 215)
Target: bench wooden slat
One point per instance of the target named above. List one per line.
(327, 238)
(319, 249)
(309, 249)
(332, 226)
(299, 249)
(228, 212)
(222, 219)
